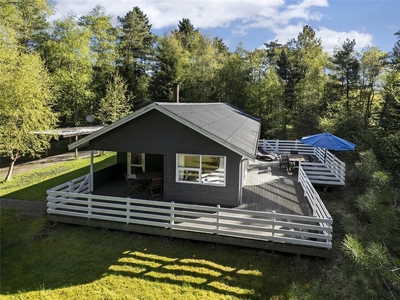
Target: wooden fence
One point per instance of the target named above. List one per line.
(244, 224)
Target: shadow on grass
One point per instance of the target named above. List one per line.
(69, 256)
(37, 191)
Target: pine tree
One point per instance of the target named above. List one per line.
(136, 52)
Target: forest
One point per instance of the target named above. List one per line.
(54, 74)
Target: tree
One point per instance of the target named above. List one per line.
(167, 68)
(395, 54)
(114, 105)
(25, 106)
(104, 54)
(344, 115)
(185, 33)
(136, 52)
(264, 93)
(234, 76)
(69, 60)
(28, 20)
(311, 60)
(372, 65)
(346, 67)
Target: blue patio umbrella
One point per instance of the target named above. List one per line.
(328, 141)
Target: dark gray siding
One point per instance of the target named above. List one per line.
(156, 133)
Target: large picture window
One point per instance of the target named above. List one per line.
(200, 169)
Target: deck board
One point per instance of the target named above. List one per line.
(269, 188)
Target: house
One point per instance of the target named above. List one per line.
(202, 149)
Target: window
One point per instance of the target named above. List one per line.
(200, 169)
(135, 160)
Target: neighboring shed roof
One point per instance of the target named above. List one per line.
(72, 131)
(220, 122)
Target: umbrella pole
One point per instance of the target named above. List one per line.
(325, 157)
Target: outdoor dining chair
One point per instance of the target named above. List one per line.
(133, 185)
(156, 187)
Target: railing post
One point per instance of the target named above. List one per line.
(71, 186)
(172, 222)
(218, 212)
(273, 224)
(128, 210)
(277, 146)
(89, 206)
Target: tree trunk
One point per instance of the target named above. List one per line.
(10, 169)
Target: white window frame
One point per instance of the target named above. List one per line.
(130, 165)
(203, 177)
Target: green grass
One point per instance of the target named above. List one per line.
(40, 261)
(33, 185)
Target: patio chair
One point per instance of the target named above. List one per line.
(156, 187)
(133, 185)
(266, 155)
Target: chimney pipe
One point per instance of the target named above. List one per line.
(176, 92)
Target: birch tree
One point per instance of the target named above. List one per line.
(25, 105)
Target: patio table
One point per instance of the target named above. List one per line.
(146, 178)
(294, 160)
(149, 175)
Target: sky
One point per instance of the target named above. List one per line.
(255, 22)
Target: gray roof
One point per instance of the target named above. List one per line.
(221, 122)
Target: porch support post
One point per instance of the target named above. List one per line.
(91, 171)
(76, 149)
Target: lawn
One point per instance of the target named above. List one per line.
(45, 261)
(40, 260)
(33, 185)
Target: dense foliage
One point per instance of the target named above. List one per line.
(64, 71)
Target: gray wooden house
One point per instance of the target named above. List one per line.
(202, 149)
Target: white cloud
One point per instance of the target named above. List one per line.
(331, 39)
(283, 18)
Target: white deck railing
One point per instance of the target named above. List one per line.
(328, 170)
(245, 224)
(73, 199)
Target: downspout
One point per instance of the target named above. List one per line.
(241, 180)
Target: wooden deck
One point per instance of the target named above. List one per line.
(268, 192)
(267, 188)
